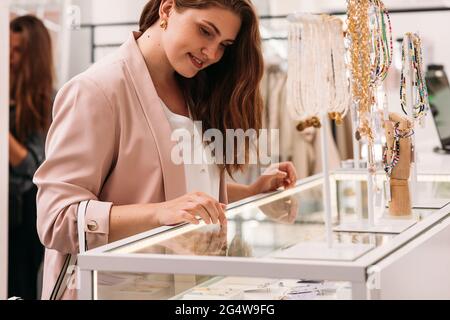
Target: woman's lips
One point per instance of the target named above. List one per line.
(196, 62)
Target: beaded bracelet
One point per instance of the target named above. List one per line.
(395, 158)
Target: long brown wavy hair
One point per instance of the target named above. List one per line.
(32, 84)
(225, 95)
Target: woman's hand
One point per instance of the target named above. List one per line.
(276, 176)
(129, 220)
(188, 207)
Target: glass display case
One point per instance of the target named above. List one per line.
(258, 254)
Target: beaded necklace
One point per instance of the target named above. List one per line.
(340, 88)
(382, 42)
(412, 46)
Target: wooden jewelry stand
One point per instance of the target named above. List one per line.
(400, 198)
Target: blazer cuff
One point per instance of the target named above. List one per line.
(96, 223)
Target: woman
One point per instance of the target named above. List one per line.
(31, 89)
(110, 139)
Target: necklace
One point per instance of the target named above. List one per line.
(412, 47)
(359, 35)
(316, 60)
(382, 43)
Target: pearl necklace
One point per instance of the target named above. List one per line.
(317, 62)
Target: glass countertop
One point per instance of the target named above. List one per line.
(279, 221)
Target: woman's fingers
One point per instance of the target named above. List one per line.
(290, 174)
(187, 217)
(289, 168)
(221, 213)
(210, 206)
(197, 209)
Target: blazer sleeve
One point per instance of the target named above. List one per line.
(79, 155)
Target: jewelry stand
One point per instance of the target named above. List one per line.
(357, 165)
(329, 250)
(417, 202)
(400, 206)
(411, 94)
(322, 106)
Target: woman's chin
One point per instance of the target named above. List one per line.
(188, 74)
(187, 71)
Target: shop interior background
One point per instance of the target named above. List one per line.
(86, 30)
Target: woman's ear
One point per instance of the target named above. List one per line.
(166, 8)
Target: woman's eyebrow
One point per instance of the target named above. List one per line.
(212, 25)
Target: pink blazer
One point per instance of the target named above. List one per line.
(109, 143)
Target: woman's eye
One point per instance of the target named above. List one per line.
(205, 32)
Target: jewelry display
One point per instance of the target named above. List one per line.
(397, 164)
(319, 89)
(317, 42)
(359, 36)
(412, 60)
(370, 42)
(382, 43)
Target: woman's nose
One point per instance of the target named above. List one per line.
(211, 53)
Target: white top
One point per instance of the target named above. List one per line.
(202, 176)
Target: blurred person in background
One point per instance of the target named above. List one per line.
(31, 91)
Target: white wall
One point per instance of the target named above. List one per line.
(101, 11)
(4, 130)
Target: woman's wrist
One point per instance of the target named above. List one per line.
(253, 189)
(129, 220)
(237, 192)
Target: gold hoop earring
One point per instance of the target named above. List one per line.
(163, 24)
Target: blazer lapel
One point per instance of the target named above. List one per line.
(173, 174)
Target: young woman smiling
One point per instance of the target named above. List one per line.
(109, 144)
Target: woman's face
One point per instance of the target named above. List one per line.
(15, 53)
(196, 39)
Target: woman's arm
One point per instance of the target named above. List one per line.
(17, 152)
(125, 221)
(238, 192)
(278, 175)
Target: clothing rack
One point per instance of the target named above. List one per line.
(400, 10)
(93, 27)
